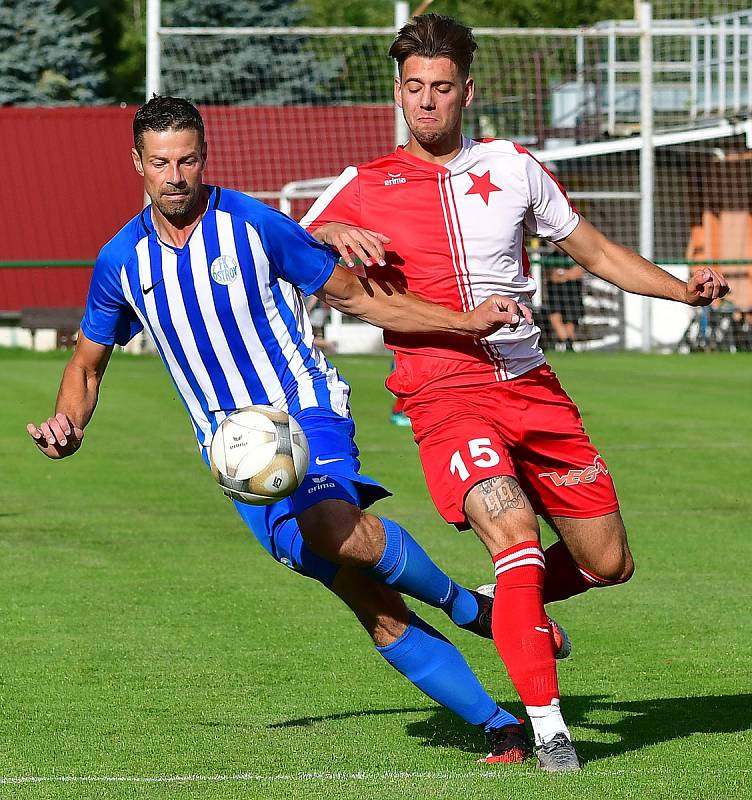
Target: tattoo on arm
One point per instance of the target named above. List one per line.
(501, 494)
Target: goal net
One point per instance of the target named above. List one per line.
(287, 109)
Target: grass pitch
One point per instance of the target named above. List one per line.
(151, 649)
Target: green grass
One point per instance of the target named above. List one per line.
(145, 634)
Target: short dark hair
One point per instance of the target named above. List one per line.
(435, 36)
(165, 113)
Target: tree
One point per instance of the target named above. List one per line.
(478, 13)
(47, 56)
(119, 26)
(332, 13)
(268, 70)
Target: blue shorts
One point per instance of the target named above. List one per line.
(333, 474)
(333, 468)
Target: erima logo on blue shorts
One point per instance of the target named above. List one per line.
(321, 482)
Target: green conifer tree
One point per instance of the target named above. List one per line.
(47, 56)
(268, 70)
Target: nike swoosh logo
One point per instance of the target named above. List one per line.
(542, 630)
(146, 291)
(321, 461)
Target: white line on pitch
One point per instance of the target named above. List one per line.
(304, 777)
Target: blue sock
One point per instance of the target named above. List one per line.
(406, 566)
(436, 667)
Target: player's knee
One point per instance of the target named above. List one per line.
(627, 568)
(622, 567)
(611, 568)
(601, 548)
(340, 532)
(619, 572)
(366, 545)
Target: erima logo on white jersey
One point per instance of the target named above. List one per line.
(224, 269)
(394, 179)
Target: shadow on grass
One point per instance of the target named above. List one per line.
(306, 722)
(636, 723)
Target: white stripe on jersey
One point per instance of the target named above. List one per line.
(336, 186)
(445, 187)
(294, 300)
(242, 312)
(339, 391)
(151, 323)
(240, 394)
(459, 262)
(457, 274)
(493, 354)
(183, 327)
(306, 391)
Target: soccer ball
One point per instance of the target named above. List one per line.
(258, 455)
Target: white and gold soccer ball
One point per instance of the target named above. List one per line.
(259, 455)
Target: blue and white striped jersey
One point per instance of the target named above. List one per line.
(225, 311)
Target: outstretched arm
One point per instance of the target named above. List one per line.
(61, 435)
(629, 271)
(394, 308)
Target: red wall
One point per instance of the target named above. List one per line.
(68, 188)
(70, 184)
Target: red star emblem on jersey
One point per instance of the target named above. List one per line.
(482, 185)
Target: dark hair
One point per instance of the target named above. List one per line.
(435, 36)
(165, 113)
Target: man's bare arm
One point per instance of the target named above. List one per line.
(393, 308)
(629, 271)
(61, 435)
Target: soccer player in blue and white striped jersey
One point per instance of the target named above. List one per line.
(216, 278)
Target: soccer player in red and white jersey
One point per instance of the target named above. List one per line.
(499, 439)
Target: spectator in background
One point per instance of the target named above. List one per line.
(741, 329)
(564, 286)
(398, 416)
(318, 312)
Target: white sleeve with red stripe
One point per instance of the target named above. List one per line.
(339, 203)
(550, 214)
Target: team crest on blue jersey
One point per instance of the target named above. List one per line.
(224, 269)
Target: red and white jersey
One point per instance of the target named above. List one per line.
(457, 237)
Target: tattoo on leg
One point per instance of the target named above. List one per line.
(501, 494)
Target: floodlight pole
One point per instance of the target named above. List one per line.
(153, 23)
(647, 160)
(401, 131)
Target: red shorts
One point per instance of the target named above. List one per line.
(527, 428)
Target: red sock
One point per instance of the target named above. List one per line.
(520, 626)
(564, 577)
